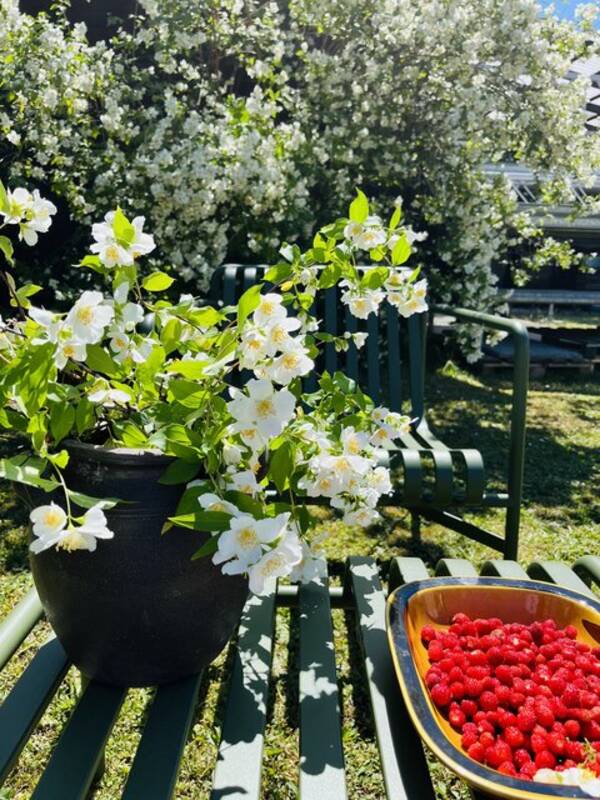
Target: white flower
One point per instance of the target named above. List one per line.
(323, 484)
(585, 779)
(232, 454)
(249, 435)
(49, 525)
(252, 348)
(311, 566)
(69, 349)
(49, 322)
(121, 292)
(363, 303)
(38, 219)
(354, 442)
(131, 315)
(113, 252)
(104, 395)
(370, 238)
(269, 309)
(48, 522)
(89, 317)
(245, 541)
(407, 306)
(276, 563)
(290, 365)
(19, 202)
(277, 334)
(352, 230)
(361, 516)
(212, 502)
(263, 407)
(380, 480)
(244, 481)
(143, 243)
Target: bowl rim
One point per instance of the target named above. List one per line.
(478, 775)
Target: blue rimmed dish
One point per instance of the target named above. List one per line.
(434, 602)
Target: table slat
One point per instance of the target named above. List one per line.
(239, 763)
(154, 771)
(556, 572)
(78, 754)
(403, 762)
(27, 701)
(322, 773)
(405, 569)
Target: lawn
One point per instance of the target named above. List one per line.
(561, 520)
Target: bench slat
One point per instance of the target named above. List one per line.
(27, 701)
(403, 762)
(322, 772)
(588, 569)
(503, 569)
(456, 568)
(18, 624)
(556, 572)
(405, 569)
(239, 763)
(154, 771)
(79, 752)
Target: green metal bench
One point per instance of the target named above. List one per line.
(78, 755)
(438, 481)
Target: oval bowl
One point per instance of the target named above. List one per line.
(434, 602)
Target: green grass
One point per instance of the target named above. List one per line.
(561, 520)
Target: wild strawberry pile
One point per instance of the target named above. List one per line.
(524, 697)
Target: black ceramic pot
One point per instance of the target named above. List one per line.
(137, 611)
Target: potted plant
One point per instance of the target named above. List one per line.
(149, 474)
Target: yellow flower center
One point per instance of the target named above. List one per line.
(216, 507)
(254, 344)
(272, 566)
(264, 408)
(342, 464)
(73, 541)
(120, 342)
(267, 307)
(324, 484)
(381, 434)
(69, 350)
(290, 361)
(360, 304)
(52, 518)
(353, 446)
(85, 314)
(112, 253)
(279, 334)
(247, 537)
(249, 433)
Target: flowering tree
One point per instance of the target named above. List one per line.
(237, 124)
(90, 373)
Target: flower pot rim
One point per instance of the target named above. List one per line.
(128, 456)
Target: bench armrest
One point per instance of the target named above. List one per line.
(518, 331)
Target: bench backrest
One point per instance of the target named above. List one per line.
(390, 367)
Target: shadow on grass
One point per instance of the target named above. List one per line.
(466, 415)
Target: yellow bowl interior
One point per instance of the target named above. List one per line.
(436, 607)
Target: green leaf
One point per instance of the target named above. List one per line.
(208, 548)
(86, 501)
(329, 276)
(205, 317)
(93, 262)
(278, 273)
(60, 459)
(98, 360)
(24, 293)
(203, 521)
(3, 198)
(7, 248)
(123, 229)
(62, 417)
(28, 470)
(189, 499)
(395, 219)
(401, 251)
(157, 282)
(170, 335)
(248, 302)
(189, 369)
(359, 207)
(84, 415)
(378, 253)
(131, 435)
(281, 466)
(188, 393)
(180, 471)
(374, 278)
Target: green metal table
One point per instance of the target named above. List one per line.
(78, 756)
